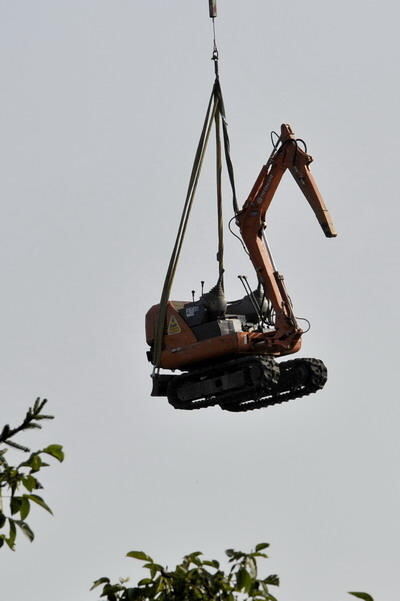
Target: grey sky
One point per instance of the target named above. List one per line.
(101, 107)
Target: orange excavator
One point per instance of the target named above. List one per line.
(225, 352)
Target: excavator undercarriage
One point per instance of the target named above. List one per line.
(244, 383)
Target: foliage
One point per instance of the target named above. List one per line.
(19, 483)
(197, 579)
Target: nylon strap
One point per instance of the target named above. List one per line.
(220, 253)
(227, 145)
(214, 114)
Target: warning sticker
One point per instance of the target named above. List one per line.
(173, 326)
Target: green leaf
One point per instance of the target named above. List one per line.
(38, 405)
(99, 582)
(12, 534)
(250, 563)
(25, 507)
(193, 558)
(243, 580)
(39, 501)
(15, 505)
(139, 555)
(154, 568)
(42, 416)
(55, 450)
(272, 579)
(363, 596)
(29, 482)
(35, 463)
(110, 589)
(3, 519)
(132, 594)
(25, 529)
(261, 546)
(212, 563)
(145, 581)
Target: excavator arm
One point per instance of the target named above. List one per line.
(287, 154)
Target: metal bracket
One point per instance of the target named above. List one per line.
(213, 8)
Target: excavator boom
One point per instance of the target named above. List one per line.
(287, 154)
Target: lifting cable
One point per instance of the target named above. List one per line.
(215, 114)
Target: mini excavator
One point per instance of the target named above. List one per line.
(226, 352)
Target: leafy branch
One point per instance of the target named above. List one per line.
(195, 578)
(198, 579)
(33, 415)
(18, 483)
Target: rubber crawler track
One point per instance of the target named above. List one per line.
(297, 378)
(312, 382)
